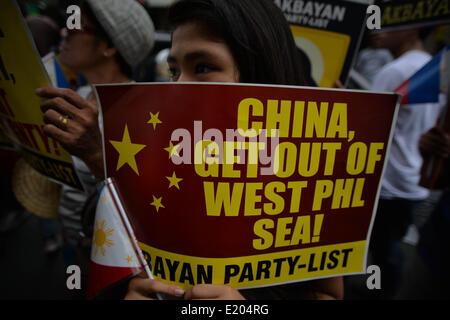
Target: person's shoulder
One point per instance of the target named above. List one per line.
(388, 77)
(390, 68)
(413, 59)
(395, 72)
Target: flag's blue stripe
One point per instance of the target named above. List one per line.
(424, 85)
(61, 81)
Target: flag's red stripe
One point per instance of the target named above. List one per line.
(403, 90)
(101, 276)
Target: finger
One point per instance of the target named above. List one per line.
(62, 106)
(67, 94)
(338, 84)
(59, 135)
(149, 286)
(57, 119)
(432, 138)
(438, 141)
(205, 291)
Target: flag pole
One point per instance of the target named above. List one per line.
(110, 185)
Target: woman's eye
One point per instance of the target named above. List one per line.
(201, 68)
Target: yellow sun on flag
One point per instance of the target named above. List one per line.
(101, 235)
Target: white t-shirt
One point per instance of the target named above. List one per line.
(402, 173)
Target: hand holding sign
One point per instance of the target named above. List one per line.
(141, 289)
(230, 222)
(435, 141)
(73, 122)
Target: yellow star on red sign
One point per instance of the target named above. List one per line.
(157, 203)
(154, 120)
(174, 180)
(127, 151)
(172, 150)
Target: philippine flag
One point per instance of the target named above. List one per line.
(426, 84)
(115, 254)
(54, 71)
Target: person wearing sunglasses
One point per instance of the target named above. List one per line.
(115, 36)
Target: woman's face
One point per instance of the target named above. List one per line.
(195, 55)
(80, 50)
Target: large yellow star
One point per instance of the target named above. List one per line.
(157, 203)
(127, 151)
(172, 150)
(154, 120)
(174, 180)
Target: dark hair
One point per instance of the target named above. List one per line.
(256, 32)
(101, 34)
(45, 33)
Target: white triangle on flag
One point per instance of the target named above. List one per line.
(111, 243)
(115, 253)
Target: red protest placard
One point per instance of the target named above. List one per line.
(212, 201)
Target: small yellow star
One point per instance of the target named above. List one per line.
(174, 181)
(157, 203)
(129, 259)
(172, 150)
(127, 151)
(154, 120)
(104, 199)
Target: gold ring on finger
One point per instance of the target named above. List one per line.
(63, 120)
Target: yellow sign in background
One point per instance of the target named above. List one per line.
(21, 118)
(326, 51)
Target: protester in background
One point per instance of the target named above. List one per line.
(234, 41)
(115, 36)
(371, 59)
(400, 192)
(434, 243)
(431, 262)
